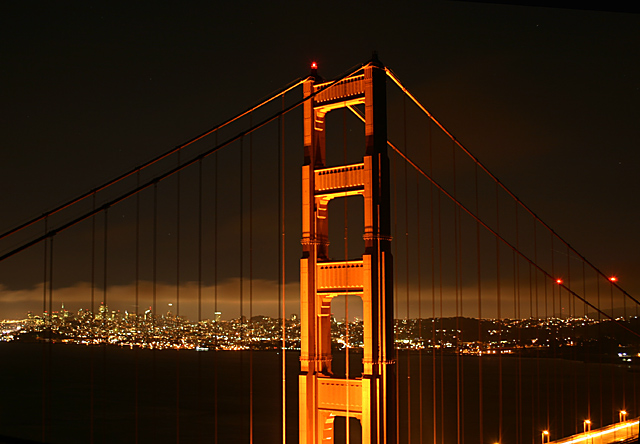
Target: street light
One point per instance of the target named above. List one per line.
(545, 433)
(623, 415)
(587, 426)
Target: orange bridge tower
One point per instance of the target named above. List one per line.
(370, 398)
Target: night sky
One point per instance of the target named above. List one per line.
(547, 98)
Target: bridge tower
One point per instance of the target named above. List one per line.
(370, 398)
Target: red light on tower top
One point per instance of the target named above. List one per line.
(314, 65)
(559, 281)
(613, 279)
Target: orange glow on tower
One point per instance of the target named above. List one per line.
(370, 398)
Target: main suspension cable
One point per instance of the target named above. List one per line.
(395, 79)
(162, 176)
(507, 243)
(291, 85)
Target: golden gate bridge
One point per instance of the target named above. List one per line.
(429, 304)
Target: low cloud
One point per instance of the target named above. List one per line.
(231, 297)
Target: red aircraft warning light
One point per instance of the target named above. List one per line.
(314, 65)
(558, 281)
(613, 279)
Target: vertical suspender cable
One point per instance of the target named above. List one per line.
(154, 296)
(560, 344)
(106, 314)
(92, 320)
(283, 282)
(420, 333)
(549, 338)
(441, 336)
(532, 385)
(600, 337)
(460, 334)
(251, 281)
(456, 274)
(176, 319)
(636, 375)
(44, 350)
(200, 242)
(625, 319)
(406, 268)
(576, 359)
(280, 231)
(518, 317)
(215, 293)
(93, 266)
(537, 317)
(406, 234)
(395, 290)
(433, 292)
(199, 394)
(537, 305)
(612, 367)
(137, 312)
(587, 367)
(516, 324)
(571, 317)
(105, 264)
(45, 368)
(242, 317)
(499, 318)
(154, 265)
(480, 335)
(178, 220)
(555, 329)
(50, 344)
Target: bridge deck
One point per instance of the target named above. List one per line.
(619, 432)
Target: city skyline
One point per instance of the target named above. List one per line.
(462, 335)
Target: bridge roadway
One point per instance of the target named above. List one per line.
(622, 432)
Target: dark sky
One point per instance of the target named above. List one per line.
(547, 98)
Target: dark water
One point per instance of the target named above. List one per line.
(75, 394)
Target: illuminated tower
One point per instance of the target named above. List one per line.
(371, 398)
